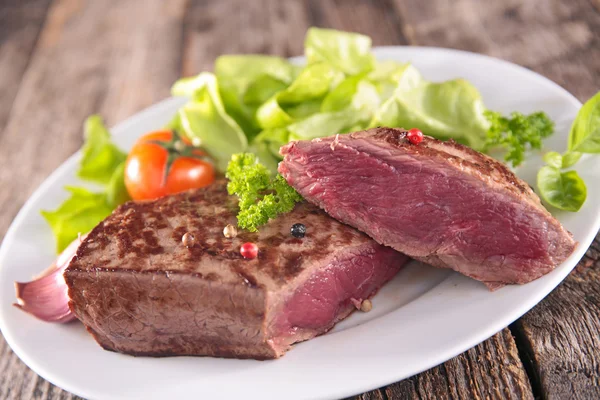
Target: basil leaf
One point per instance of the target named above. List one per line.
(563, 190)
(553, 159)
(570, 158)
(585, 131)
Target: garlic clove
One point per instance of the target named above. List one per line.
(46, 297)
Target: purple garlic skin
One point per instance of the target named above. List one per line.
(46, 297)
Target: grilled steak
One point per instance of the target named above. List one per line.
(439, 202)
(139, 290)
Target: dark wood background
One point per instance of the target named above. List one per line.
(61, 60)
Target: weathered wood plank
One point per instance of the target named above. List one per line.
(374, 18)
(558, 39)
(491, 370)
(91, 57)
(275, 27)
(136, 58)
(560, 338)
(20, 24)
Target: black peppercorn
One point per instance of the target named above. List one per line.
(298, 230)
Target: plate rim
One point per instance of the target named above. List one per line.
(384, 379)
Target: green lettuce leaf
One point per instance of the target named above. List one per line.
(271, 115)
(174, 124)
(77, 215)
(585, 131)
(304, 109)
(205, 122)
(265, 155)
(349, 106)
(302, 98)
(103, 163)
(246, 81)
(327, 124)
(116, 192)
(387, 71)
(388, 74)
(100, 156)
(356, 92)
(274, 139)
(348, 52)
(262, 90)
(448, 110)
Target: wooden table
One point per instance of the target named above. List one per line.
(62, 60)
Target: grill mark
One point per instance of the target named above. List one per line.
(292, 265)
(137, 232)
(151, 242)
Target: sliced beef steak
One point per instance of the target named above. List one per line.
(140, 291)
(440, 202)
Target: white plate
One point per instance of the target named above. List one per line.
(421, 319)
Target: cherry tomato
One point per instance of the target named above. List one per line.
(161, 163)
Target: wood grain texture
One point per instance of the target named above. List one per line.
(491, 370)
(116, 57)
(215, 27)
(20, 24)
(560, 338)
(559, 39)
(91, 57)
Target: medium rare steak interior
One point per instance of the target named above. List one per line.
(139, 290)
(439, 202)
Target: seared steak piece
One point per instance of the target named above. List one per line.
(439, 202)
(139, 290)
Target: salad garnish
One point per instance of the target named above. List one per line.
(103, 164)
(260, 196)
(261, 103)
(162, 163)
(254, 104)
(517, 134)
(566, 190)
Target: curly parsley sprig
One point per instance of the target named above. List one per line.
(518, 133)
(260, 197)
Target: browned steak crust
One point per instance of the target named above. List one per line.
(140, 291)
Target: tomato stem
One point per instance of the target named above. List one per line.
(176, 148)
